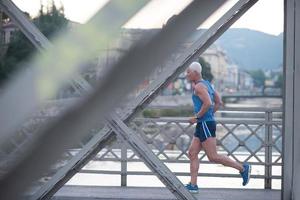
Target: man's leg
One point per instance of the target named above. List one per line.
(194, 150)
(210, 147)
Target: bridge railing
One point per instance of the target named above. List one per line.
(252, 135)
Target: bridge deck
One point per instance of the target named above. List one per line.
(150, 193)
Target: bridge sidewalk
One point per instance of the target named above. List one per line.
(158, 193)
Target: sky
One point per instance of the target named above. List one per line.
(260, 17)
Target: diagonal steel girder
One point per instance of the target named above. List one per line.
(70, 127)
(27, 27)
(141, 148)
(36, 37)
(100, 139)
(45, 70)
(111, 8)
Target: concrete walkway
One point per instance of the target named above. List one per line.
(150, 193)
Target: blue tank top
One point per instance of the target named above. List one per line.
(209, 115)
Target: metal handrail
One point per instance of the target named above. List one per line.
(268, 142)
(266, 121)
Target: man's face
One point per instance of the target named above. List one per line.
(190, 75)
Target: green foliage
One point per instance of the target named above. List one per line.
(18, 51)
(178, 112)
(4, 16)
(51, 21)
(20, 48)
(258, 77)
(206, 70)
(279, 81)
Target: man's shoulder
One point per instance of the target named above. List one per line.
(200, 86)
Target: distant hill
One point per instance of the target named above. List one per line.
(251, 49)
(247, 48)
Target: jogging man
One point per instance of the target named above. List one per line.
(206, 102)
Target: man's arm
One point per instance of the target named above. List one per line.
(202, 92)
(218, 101)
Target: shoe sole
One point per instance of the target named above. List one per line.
(249, 174)
(193, 191)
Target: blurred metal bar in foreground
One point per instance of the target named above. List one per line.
(24, 88)
(174, 69)
(71, 126)
(36, 37)
(53, 68)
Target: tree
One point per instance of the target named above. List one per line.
(279, 81)
(4, 16)
(51, 21)
(206, 70)
(259, 78)
(20, 48)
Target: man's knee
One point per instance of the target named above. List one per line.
(215, 158)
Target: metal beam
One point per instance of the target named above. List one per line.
(205, 40)
(91, 149)
(30, 100)
(174, 69)
(37, 84)
(71, 126)
(145, 153)
(290, 92)
(37, 38)
(29, 30)
(296, 138)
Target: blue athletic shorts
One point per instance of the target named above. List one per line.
(205, 130)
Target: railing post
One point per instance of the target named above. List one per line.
(268, 149)
(123, 163)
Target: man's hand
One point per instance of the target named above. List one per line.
(193, 120)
